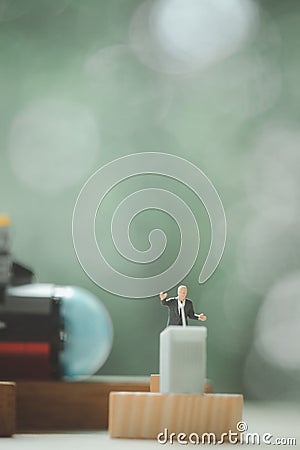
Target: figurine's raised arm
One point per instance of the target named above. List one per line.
(163, 295)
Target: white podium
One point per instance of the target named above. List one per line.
(182, 360)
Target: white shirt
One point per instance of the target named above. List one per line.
(181, 311)
(183, 305)
(180, 305)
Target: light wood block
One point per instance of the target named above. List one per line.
(145, 415)
(59, 405)
(155, 380)
(7, 409)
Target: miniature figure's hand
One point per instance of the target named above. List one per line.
(202, 317)
(163, 295)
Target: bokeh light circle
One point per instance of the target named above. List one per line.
(183, 36)
(53, 144)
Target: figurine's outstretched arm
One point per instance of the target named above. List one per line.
(195, 316)
(202, 317)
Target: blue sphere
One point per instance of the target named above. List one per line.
(89, 333)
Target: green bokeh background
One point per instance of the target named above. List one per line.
(237, 120)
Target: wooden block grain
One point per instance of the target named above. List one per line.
(59, 405)
(7, 409)
(139, 415)
(155, 380)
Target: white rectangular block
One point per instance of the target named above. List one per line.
(182, 360)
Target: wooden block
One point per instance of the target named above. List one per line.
(154, 384)
(208, 389)
(58, 405)
(144, 415)
(7, 408)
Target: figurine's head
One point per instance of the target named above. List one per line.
(182, 291)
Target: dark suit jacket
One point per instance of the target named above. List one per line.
(174, 315)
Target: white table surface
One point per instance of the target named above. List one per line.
(278, 419)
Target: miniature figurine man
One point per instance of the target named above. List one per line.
(180, 308)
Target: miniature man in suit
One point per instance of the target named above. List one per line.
(180, 308)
